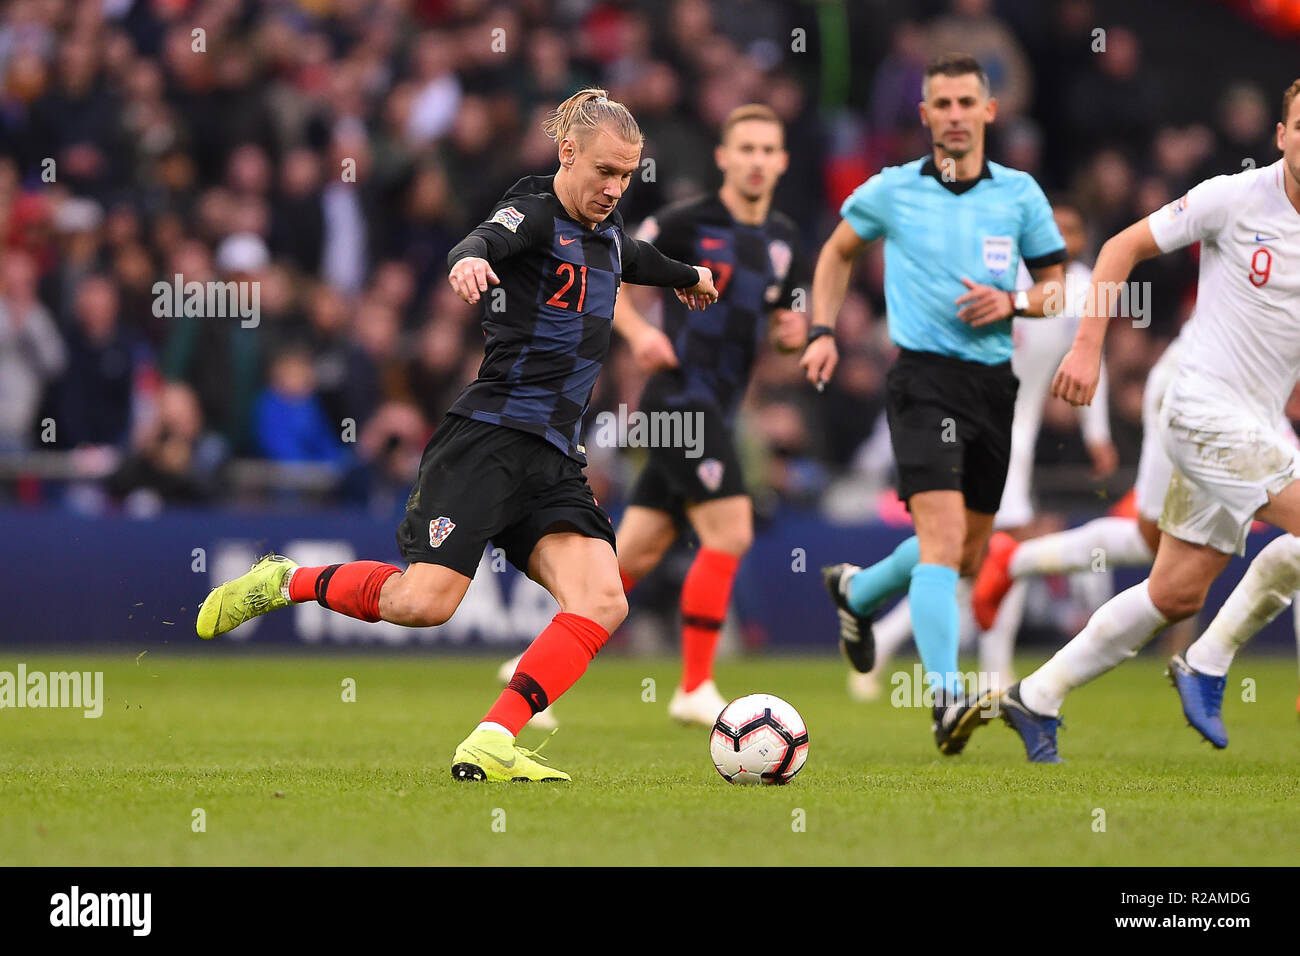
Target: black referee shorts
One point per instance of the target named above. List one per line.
(480, 482)
(950, 425)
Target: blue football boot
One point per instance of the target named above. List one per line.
(1202, 697)
(1038, 733)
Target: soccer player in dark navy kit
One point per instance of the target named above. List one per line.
(506, 463)
(704, 362)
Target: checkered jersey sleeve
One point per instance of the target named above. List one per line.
(515, 224)
(644, 264)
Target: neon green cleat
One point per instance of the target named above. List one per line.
(490, 755)
(231, 604)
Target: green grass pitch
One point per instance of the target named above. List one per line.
(286, 772)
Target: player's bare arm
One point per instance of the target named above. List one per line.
(651, 349)
(1076, 378)
(830, 287)
(985, 304)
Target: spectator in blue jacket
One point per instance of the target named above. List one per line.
(289, 423)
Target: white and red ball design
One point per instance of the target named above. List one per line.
(759, 739)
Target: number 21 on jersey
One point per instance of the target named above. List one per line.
(558, 299)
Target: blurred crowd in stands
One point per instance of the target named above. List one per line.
(333, 151)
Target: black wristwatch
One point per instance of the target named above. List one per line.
(817, 331)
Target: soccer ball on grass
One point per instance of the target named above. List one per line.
(759, 739)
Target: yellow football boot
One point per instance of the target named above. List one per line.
(249, 595)
(492, 755)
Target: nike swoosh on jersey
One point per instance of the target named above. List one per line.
(713, 243)
(1259, 238)
(565, 242)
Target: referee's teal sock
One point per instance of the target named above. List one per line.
(933, 601)
(887, 577)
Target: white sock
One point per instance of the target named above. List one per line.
(1116, 631)
(1114, 541)
(892, 631)
(998, 643)
(496, 728)
(285, 581)
(1262, 594)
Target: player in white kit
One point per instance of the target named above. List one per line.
(1125, 542)
(1220, 426)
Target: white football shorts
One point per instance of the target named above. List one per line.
(1225, 466)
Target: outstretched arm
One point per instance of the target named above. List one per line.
(1076, 378)
(644, 264)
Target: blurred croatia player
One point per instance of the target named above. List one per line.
(704, 362)
(505, 464)
(955, 228)
(1220, 424)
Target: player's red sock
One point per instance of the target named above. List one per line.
(548, 668)
(351, 589)
(629, 582)
(705, 594)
